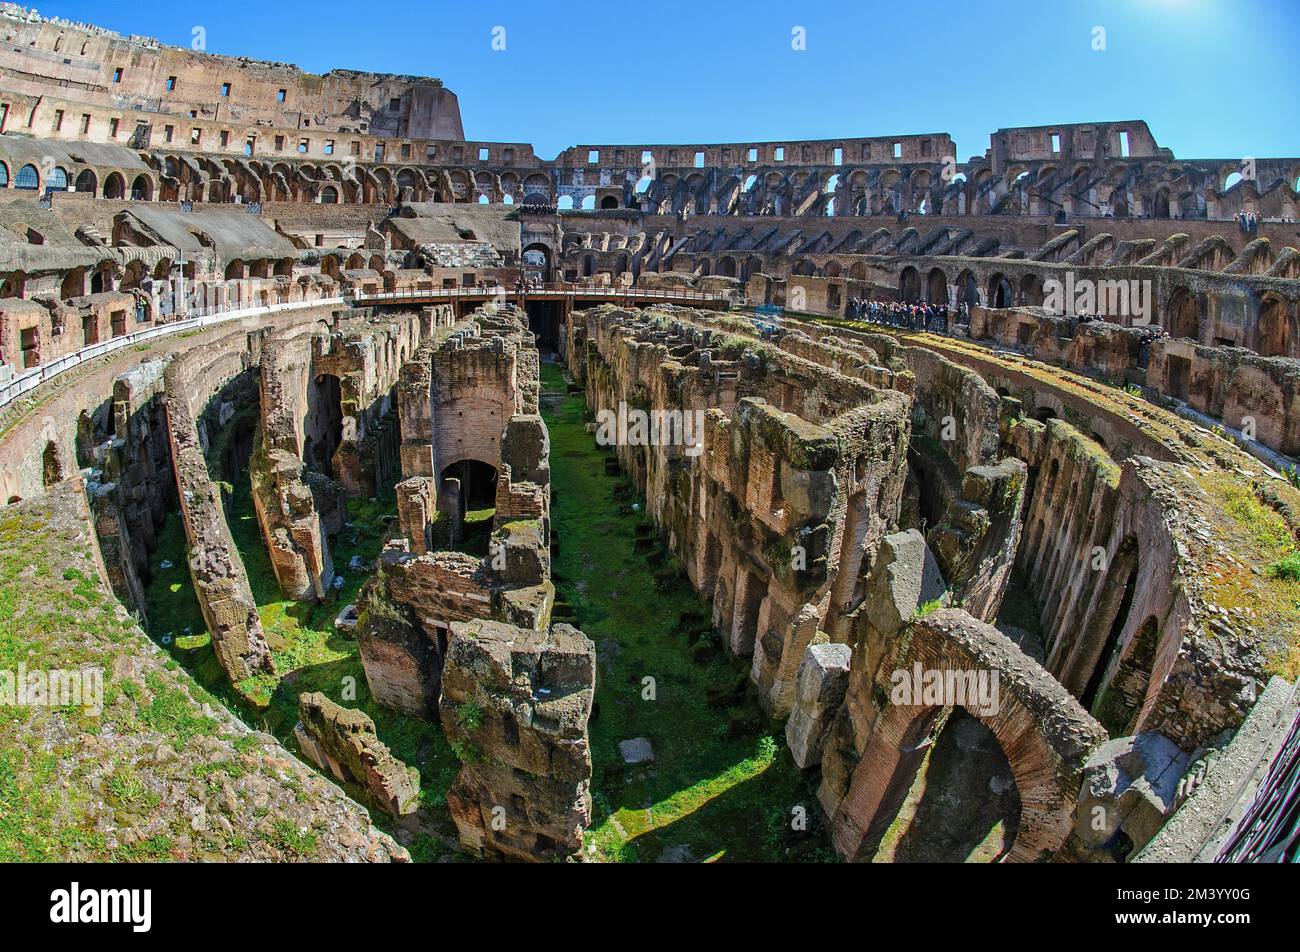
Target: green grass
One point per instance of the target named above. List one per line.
(721, 786)
(1287, 567)
(309, 654)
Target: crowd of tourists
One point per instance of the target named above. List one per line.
(917, 316)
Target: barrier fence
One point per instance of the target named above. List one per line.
(33, 378)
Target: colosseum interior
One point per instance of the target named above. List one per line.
(404, 497)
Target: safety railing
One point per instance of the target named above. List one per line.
(31, 379)
(489, 291)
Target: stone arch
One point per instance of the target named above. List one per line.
(1120, 702)
(1185, 314)
(478, 480)
(968, 290)
(1274, 335)
(1046, 755)
(27, 178)
(936, 287)
(909, 285)
(115, 186)
(1001, 294)
(1031, 290)
(727, 266)
(142, 189)
(1090, 657)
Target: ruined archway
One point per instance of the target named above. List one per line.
(1046, 755)
(478, 483)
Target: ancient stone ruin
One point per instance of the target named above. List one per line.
(621, 506)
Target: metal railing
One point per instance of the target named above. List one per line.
(489, 291)
(31, 379)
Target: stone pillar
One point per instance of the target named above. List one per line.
(515, 705)
(451, 505)
(819, 691)
(415, 512)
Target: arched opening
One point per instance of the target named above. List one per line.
(909, 285)
(27, 178)
(474, 496)
(1273, 338)
(478, 483)
(1031, 291)
(86, 181)
(1183, 316)
(609, 201)
(537, 261)
(963, 805)
(950, 798)
(115, 186)
(1160, 204)
(1093, 653)
(141, 189)
(565, 203)
(324, 424)
(1000, 292)
(936, 287)
(1120, 702)
(329, 195)
(57, 180)
(74, 284)
(968, 291)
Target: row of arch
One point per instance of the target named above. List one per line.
(57, 179)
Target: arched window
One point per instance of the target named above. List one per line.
(27, 177)
(57, 181)
(4, 175)
(329, 195)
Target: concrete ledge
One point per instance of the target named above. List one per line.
(1197, 828)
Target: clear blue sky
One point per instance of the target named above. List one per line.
(1214, 78)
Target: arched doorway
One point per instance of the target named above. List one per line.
(1273, 331)
(1120, 701)
(1091, 657)
(1001, 294)
(1183, 315)
(115, 186)
(324, 424)
(51, 465)
(936, 287)
(909, 285)
(537, 261)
